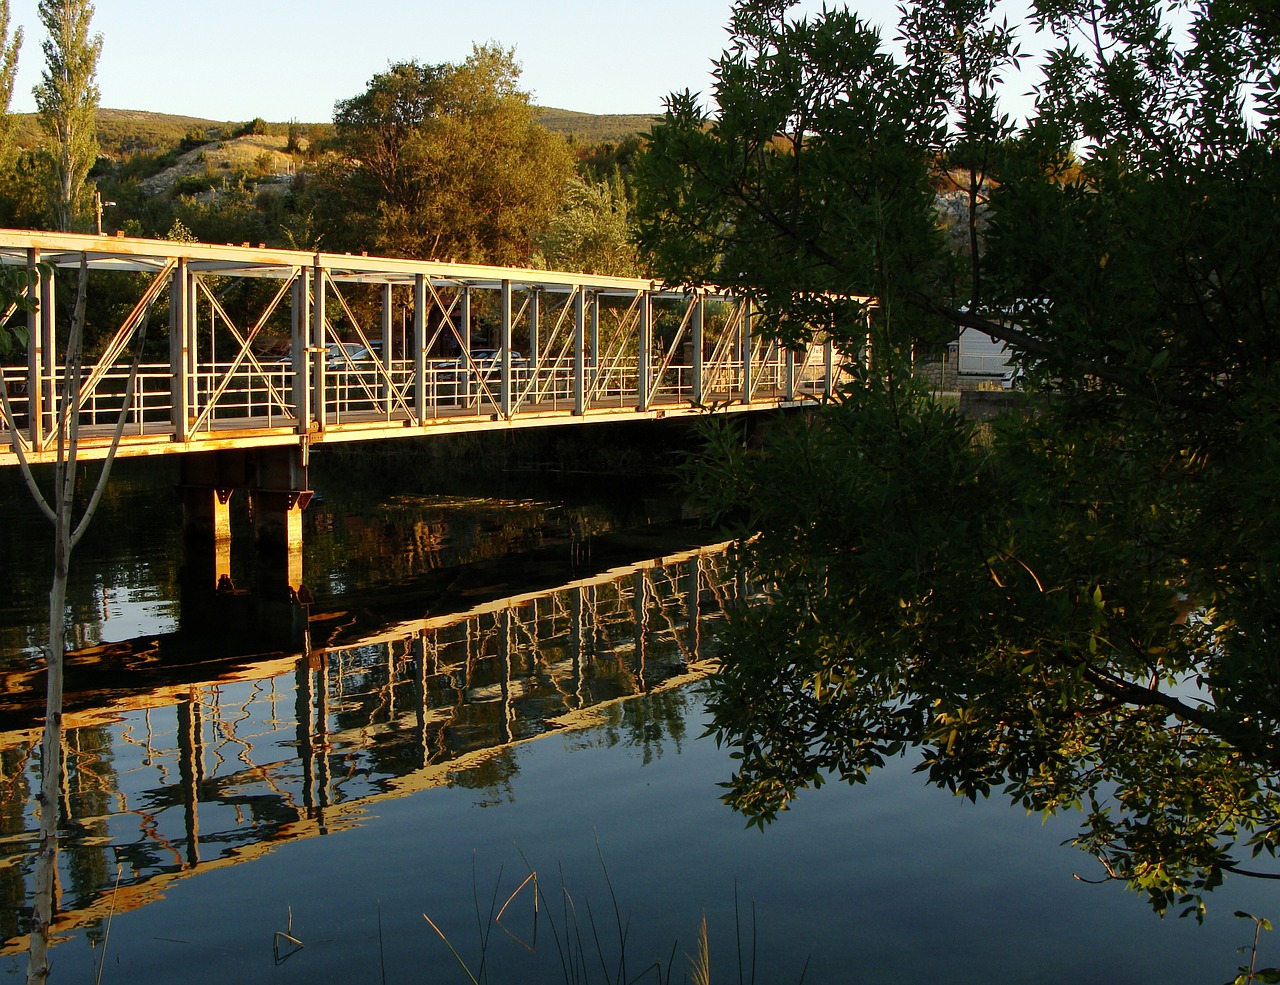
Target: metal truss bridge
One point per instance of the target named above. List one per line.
(268, 348)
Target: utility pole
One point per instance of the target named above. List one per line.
(98, 206)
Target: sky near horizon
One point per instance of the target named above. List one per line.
(233, 60)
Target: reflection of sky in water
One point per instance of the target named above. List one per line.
(126, 613)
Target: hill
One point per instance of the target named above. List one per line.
(592, 128)
(124, 131)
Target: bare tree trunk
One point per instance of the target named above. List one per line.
(67, 534)
(49, 798)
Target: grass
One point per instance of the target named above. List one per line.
(588, 947)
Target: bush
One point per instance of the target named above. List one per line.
(257, 127)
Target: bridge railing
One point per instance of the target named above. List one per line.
(15, 381)
(264, 395)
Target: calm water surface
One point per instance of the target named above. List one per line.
(461, 721)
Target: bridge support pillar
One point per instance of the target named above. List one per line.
(206, 483)
(206, 524)
(276, 482)
(279, 495)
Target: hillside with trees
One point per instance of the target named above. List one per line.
(266, 182)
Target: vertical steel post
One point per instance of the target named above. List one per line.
(317, 349)
(420, 381)
(699, 369)
(304, 705)
(504, 347)
(576, 642)
(579, 345)
(465, 338)
(595, 336)
(829, 365)
(535, 342)
(49, 380)
(179, 339)
(747, 314)
(504, 658)
(789, 368)
(36, 357)
(322, 742)
(191, 349)
(382, 360)
(644, 369)
(641, 612)
(693, 604)
(191, 769)
(300, 323)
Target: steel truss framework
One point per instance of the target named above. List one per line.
(378, 348)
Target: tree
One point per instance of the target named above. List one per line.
(1075, 605)
(10, 45)
(67, 104)
(443, 161)
(18, 289)
(591, 232)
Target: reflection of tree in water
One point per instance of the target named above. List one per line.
(90, 783)
(493, 774)
(644, 725)
(15, 794)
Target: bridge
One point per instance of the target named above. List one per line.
(264, 354)
(376, 348)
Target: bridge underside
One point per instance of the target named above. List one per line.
(238, 348)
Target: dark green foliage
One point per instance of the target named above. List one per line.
(1077, 606)
(441, 161)
(255, 127)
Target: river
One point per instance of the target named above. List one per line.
(497, 702)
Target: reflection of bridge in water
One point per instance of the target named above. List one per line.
(163, 781)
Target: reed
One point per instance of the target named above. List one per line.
(590, 948)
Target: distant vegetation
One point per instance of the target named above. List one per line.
(127, 131)
(256, 181)
(122, 131)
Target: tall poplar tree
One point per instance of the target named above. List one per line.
(9, 47)
(67, 102)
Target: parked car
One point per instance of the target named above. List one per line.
(485, 366)
(355, 352)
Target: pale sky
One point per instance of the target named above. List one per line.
(233, 60)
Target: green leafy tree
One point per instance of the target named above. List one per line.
(67, 103)
(10, 45)
(445, 161)
(591, 232)
(1075, 605)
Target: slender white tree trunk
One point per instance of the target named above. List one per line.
(67, 533)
